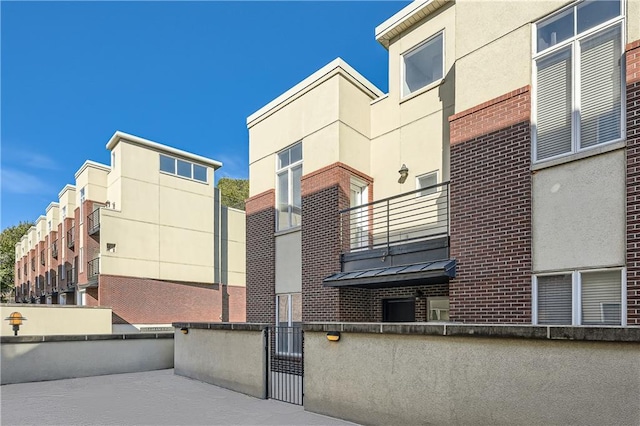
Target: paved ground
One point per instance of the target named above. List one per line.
(150, 398)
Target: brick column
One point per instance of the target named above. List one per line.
(261, 257)
(633, 183)
(491, 211)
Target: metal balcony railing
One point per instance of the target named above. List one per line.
(71, 237)
(71, 277)
(93, 221)
(54, 249)
(413, 216)
(93, 268)
(42, 262)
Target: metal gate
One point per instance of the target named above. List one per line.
(285, 364)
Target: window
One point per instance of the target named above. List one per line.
(81, 260)
(429, 181)
(593, 297)
(64, 211)
(288, 321)
(49, 225)
(438, 308)
(288, 195)
(111, 247)
(578, 79)
(359, 218)
(183, 168)
(423, 65)
(82, 205)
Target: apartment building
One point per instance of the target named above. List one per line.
(495, 182)
(145, 235)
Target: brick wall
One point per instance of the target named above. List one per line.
(491, 211)
(147, 301)
(324, 193)
(432, 290)
(633, 183)
(261, 257)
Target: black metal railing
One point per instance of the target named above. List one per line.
(285, 361)
(54, 249)
(413, 216)
(71, 237)
(93, 221)
(93, 268)
(42, 262)
(71, 276)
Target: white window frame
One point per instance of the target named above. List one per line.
(411, 51)
(576, 294)
(574, 42)
(289, 170)
(175, 168)
(361, 239)
(424, 175)
(82, 199)
(289, 324)
(435, 299)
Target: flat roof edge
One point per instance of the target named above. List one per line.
(93, 164)
(385, 31)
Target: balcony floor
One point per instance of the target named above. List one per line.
(149, 398)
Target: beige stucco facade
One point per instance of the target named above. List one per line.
(47, 320)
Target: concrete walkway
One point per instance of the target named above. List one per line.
(150, 398)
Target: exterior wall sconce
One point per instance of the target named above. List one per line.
(404, 172)
(333, 336)
(15, 320)
(184, 330)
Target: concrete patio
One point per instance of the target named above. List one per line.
(148, 398)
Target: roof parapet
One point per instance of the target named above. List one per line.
(92, 164)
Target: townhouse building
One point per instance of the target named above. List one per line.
(496, 182)
(145, 235)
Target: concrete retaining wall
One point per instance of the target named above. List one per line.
(39, 358)
(48, 320)
(228, 355)
(386, 374)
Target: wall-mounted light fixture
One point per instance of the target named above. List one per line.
(15, 320)
(404, 172)
(184, 330)
(333, 336)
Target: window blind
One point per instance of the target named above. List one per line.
(554, 299)
(553, 129)
(600, 91)
(601, 297)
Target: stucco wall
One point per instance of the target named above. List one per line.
(232, 359)
(400, 379)
(46, 320)
(579, 214)
(64, 357)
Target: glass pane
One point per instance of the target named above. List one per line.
(283, 310)
(296, 175)
(427, 181)
(423, 66)
(296, 153)
(184, 169)
(296, 307)
(555, 30)
(600, 90)
(594, 12)
(283, 200)
(199, 173)
(601, 298)
(283, 159)
(553, 127)
(554, 299)
(439, 309)
(167, 164)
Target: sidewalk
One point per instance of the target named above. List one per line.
(150, 398)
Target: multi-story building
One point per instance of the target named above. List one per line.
(146, 236)
(495, 182)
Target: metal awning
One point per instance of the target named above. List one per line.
(395, 276)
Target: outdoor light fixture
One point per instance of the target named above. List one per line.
(15, 319)
(333, 336)
(404, 172)
(184, 330)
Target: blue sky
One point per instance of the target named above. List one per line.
(181, 74)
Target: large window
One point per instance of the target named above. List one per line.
(183, 168)
(288, 195)
(289, 319)
(594, 297)
(578, 79)
(423, 65)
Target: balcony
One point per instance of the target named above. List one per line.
(397, 241)
(93, 269)
(71, 237)
(54, 249)
(42, 258)
(70, 277)
(93, 221)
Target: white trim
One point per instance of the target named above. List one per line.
(534, 299)
(623, 298)
(337, 66)
(66, 188)
(406, 17)
(91, 164)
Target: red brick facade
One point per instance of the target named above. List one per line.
(633, 183)
(261, 257)
(491, 211)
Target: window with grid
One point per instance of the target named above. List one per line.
(580, 298)
(288, 321)
(578, 79)
(288, 192)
